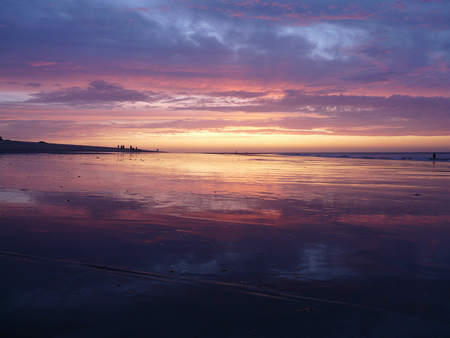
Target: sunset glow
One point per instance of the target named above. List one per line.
(227, 75)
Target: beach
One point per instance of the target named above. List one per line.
(14, 147)
(223, 245)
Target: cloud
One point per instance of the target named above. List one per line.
(14, 83)
(34, 85)
(167, 41)
(237, 93)
(40, 64)
(297, 112)
(11, 83)
(97, 92)
(370, 78)
(294, 113)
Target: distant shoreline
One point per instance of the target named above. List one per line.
(14, 147)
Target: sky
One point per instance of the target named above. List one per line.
(224, 75)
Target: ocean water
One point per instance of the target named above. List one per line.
(224, 245)
(405, 156)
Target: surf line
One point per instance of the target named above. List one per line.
(222, 286)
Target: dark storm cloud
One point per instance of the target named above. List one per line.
(95, 92)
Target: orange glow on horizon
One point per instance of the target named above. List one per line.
(230, 143)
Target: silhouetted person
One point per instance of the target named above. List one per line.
(434, 156)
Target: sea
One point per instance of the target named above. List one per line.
(403, 156)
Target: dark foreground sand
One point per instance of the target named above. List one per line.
(7, 146)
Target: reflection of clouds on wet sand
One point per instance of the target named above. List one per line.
(15, 196)
(320, 229)
(189, 264)
(194, 183)
(320, 262)
(95, 206)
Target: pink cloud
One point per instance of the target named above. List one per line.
(41, 63)
(266, 17)
(290, 6)
(247, 3)
(239, 15)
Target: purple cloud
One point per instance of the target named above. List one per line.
(370, 78)
(349, 114)
(238, 94)
(34, 85)
(15, 83)
(96, 92)
(314, 41)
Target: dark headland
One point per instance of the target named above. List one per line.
(7, 146)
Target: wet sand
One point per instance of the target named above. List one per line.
(190, 245)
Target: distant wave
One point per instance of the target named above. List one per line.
(421, 156)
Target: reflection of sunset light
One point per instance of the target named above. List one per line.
(246, 188)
